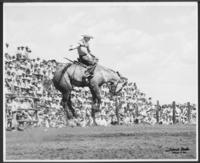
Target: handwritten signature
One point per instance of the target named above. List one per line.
(177, 150)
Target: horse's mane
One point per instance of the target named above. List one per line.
(83, 66)
(116, 72)
(106, 68)
(111, 70)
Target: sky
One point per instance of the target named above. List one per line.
(152, 44)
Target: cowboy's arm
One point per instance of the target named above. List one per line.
(93, 56)
(73, 47)
(89, 52)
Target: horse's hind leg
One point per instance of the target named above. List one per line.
(68, 104)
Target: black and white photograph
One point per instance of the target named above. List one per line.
(100, 81)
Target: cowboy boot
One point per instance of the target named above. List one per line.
(90, 71)
(85, 79)
(86, 76)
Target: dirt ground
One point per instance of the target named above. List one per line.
(114, 142)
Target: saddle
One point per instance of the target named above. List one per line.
(88, 73)
(80, 63)
(90, 68)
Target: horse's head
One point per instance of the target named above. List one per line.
(117, 84)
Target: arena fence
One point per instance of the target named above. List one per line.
(173, 107)
(36, 107)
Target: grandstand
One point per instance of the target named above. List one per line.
(27, 100)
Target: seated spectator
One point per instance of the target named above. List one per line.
(25, 77)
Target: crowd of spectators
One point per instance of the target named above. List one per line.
(24, 89)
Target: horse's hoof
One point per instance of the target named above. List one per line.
(20, 129)
(9, 129)
(75, 115)
(71, 123)
(94, 124)
(96, 110)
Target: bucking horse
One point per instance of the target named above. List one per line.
(69, 75)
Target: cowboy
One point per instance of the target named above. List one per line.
(85, 55)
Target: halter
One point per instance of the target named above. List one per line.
(118, 81)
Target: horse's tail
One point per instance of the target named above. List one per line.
(47, 83)
(64, 70)
(59, 73)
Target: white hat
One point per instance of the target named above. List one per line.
(87, 36)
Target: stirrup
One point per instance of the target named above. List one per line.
(86, 80)
(90, 76)
(86, 75)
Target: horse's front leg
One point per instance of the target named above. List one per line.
(96, 97)
(93, 117)
(94, 109)
(69, 111)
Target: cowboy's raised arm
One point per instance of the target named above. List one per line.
(72, 47)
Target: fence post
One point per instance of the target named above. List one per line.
(174, 112)
(35, 107)
(157, 111)
(188, 112)
(136, 111)
(117, 110)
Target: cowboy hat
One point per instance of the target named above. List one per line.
(87, 36)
